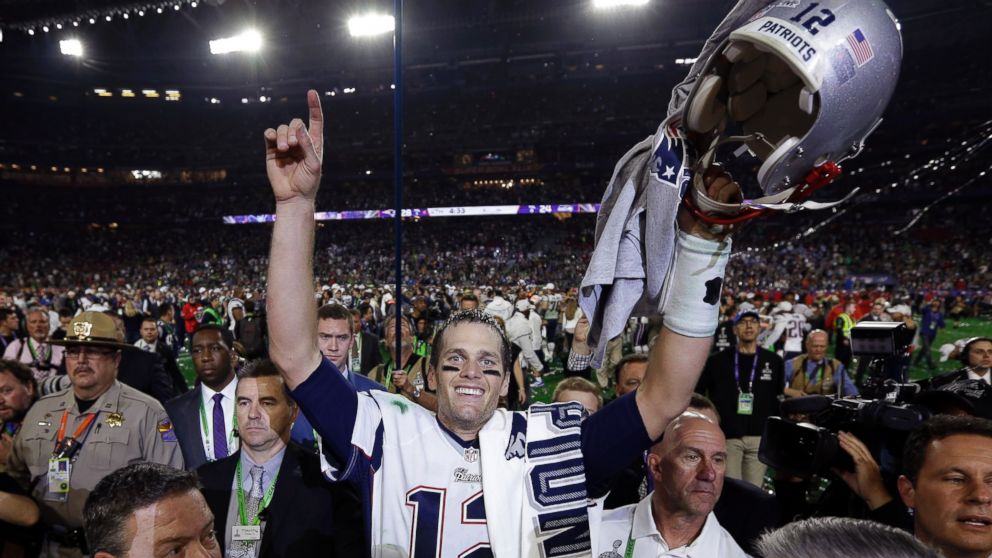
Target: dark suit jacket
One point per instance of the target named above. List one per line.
(308, 515)
(371, 357)
(171, 366)
(184, 411)
(302, 432)
(746, 512)
(145, 372)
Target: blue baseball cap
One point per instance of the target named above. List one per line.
(741, 315)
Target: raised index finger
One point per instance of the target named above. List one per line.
(316, 127)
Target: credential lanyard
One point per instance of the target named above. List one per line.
(206, 431)
(82, 430)
(266, 498)
(629, 550)
(737, 371)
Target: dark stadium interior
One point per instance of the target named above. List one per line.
(123, 168)
(570, 88)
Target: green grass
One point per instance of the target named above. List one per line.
(971, 327)
(186, 367)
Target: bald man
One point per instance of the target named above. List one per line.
(688, 467)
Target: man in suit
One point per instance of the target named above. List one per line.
(204, 417)
(976, 355)
(144, 371)
(281, 504)
(335, 337)
(335, 340)
(365, 348)
(150, 342)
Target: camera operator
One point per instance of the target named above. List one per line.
(866, 479)
(814, 373)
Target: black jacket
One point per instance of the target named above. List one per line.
(308, 515)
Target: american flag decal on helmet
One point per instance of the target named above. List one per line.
(860, 47)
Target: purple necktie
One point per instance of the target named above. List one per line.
(220, 432)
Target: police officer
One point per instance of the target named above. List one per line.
(72, 439)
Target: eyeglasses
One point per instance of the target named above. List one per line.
(79, 353)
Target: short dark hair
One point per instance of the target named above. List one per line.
(225, 334)
(67, 312)
(633, 357)
(149, 319)
(121, 493)
(335, 311)
(5, 313)
(471, 297)
(20, 372)
(472, 317)
(935, 429)
(165, 309)
(264, 368)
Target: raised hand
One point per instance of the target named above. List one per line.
(866, 479)
(294, 153)
(720, 186)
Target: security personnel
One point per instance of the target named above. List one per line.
(72, 439)
(843, 326)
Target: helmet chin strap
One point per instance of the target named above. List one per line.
(789, 200)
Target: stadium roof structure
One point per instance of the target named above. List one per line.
(168, 42)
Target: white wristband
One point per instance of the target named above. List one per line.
(694, 285)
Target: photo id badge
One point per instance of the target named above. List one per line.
(745, 403)
(246, 532)
(59, 471)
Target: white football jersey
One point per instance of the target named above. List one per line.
(795, 328)
(424, 481)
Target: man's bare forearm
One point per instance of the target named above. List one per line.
(292, 312)
(674, 366)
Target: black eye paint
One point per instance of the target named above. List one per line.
(449, 368)
(492, 372)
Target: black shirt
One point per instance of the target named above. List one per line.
(717, 382)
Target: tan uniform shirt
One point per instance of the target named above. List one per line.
(129, 428)
(416, 376)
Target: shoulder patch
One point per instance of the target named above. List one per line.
(166, 431)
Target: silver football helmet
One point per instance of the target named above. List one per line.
(801, 84)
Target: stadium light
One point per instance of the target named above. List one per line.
(71, 47)
(247, 41)
(608, 4)
(370, 25)
(30, 31)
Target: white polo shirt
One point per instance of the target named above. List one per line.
(634, 525)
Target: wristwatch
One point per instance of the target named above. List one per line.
(416, 392)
